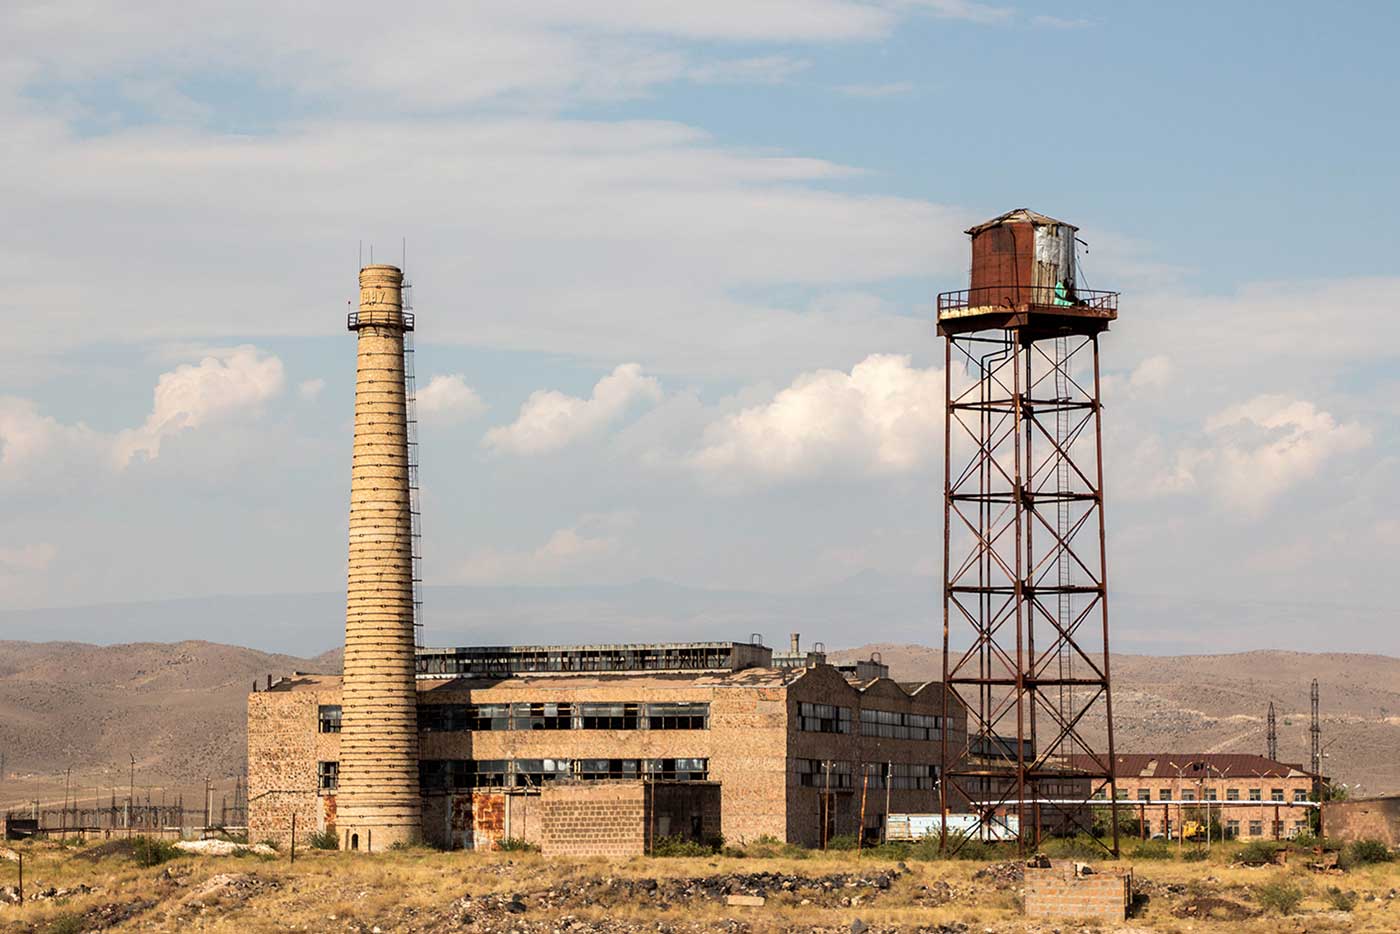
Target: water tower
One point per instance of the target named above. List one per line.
(1025, 614)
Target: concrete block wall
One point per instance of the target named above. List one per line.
(607, 819)
(1057, 892)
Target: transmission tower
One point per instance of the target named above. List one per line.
(1272, 754)
(1315, 735)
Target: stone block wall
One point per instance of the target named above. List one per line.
(1362, 819)
(1057, 891)
(283, 749)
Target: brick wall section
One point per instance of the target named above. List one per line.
(607, 819)
(1362, 819)
(1056, 892)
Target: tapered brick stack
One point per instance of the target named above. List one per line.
(378, 803)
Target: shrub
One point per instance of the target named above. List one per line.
(1369, 851)
(794, 851)
(325, 840)
(1282, 896)
(1079, 847)
(1342, 901)
(1195, 854)
(1257, 853)
(680, 846)
(764, 847)
(66, 923)
(1152, 849)
(845, 841)
(889, 851)
(516, 845)
(148, 851)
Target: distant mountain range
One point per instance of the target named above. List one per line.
(865, 605)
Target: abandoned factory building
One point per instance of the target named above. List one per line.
(788, 743)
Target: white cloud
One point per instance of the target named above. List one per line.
(36, 557)
(448, 398)
(566, 552)
(1271, 443)
(767, 69)
(1153, 373)
(191, 394)
(32, 443)
(310, 389)
(224, 384)
(444, 55)
(875, 91)
(550, 420)
(885, 416)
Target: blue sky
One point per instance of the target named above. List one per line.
(674, 266)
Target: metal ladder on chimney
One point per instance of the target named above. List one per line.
(415, 509)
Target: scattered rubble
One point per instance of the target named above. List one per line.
(223, 848)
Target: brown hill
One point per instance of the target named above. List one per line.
(1219, 703)
(177, 707)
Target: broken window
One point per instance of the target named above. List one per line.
(327, 776)
(1144, 794)
(1232, 794)
(892, 724)
(1299, 794)
(444, 718)
(607, 716)
(531, 773)
(328, 718)
(1256, 828)
(541, 716)
(818, 773)
(1276, 794)
(684, 770)
(910, 776)
(603, 769)
(490, 773)
(678, 716)
(1256, 794)
(823, 718)
(486, 717)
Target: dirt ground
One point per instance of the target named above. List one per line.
(102, 888)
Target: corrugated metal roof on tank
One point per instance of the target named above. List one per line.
(1020, 216)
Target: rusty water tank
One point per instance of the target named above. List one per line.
(1022, 258)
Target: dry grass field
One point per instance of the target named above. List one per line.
(104, 888)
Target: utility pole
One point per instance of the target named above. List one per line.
(1272, 753)
(131, 795)
(1315, 734)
